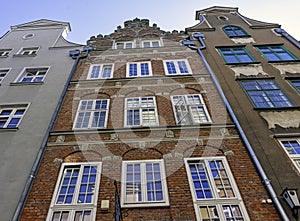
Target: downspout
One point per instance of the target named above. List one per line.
(235, 120)
(287, 36)
(75, 54)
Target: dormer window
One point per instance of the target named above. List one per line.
(124, 45)
(151, 44)
(235, 31)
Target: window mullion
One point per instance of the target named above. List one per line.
(211, 180)
(143, 182)
(77, 187)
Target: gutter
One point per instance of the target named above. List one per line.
(288, 37)
(77, 55)
(253, 156)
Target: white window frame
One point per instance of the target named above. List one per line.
(188, 108)
(4, 52)
(140, 108)
(295, 158)
(92, 110)
(125, 43)
(151, 43)
(24, 72)
(215, 201)
(144, 202)
(3, 71)
(14, 108)
(100, 72)
(176, 66)
(139, 71)
(30, 51)
(74, 207)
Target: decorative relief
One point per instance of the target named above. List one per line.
(243, 40)
(284, 119)
(60, 139)
(114, 137)
(288, 68)
(169, 134)
(248, 70)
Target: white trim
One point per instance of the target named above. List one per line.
(124, 46)
(292, 157)
(177, 67)
(189, 109)
(4, 69)
(22, 73)
(73, 207)
(140, 114)
(215, 200)
(100, 71)
(160, 43)
(139, 74)
(8, 50)
(144, 203)
(91, 111)
(14, 108)
(33, 51)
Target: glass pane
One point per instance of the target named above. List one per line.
(209, 213)
(95, 71)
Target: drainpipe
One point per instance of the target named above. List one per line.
(235, 120)
(287, 36)
(77, 55)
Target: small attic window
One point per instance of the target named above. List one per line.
(28, 36)
(222, 18)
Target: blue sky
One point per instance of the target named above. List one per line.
(93, 17)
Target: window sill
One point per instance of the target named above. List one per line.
(244, 63)
(285, 61)
(277, 108)
(25, 83)
(147, 204)
(24, 55)
(8, 129)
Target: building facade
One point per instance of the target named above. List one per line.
(257, 65)
(34, 67)
(143, 134)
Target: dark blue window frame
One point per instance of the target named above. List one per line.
(264, 93)
(235, 31)
(296, 84)
(236, 55)
(276, 53)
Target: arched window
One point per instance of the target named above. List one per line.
(235, 31)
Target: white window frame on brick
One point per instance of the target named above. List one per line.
(214, 196)
(90, 113)
(142, 111)
(11, 115)
(4, 52)
(177, 67)
(3, 73)
(190, 109)
(292, 150)
(139, 69)
(146, 181)
(76, 181)
(30, 51)
(100, 71)
(124, 45)
(151, 43)
(32, 75)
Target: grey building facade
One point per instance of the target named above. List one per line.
(34, 68)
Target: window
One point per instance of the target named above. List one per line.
(296, 84)
(11, 116)
(76, 192)
(292, 148)
(190, 109)
(141, 111)
(215, 194)
(151, 44)
(32, 75)
(265, 93)
(236, 55)
(177, 67)
(234, 31)
(276, 53)
(100, 71)
(92, 114)
(3, 73)
(124, 45)
(28, 51)
(144, 184)
(139, 69)
(4, 52)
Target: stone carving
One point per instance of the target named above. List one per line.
(60, 139)
(248, 70)
(114, 137)
(290, 68)
(169, 134)
(243, 40)
(284, 119)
